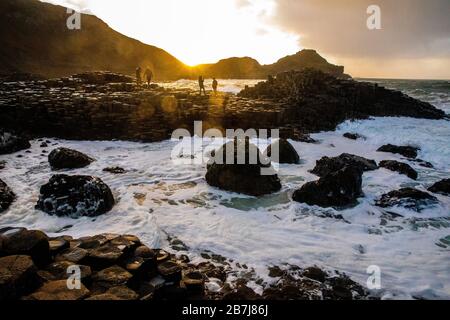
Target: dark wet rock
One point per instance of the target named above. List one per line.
(63, 158)
(409, 198)
(243, 293)
(422, 163)
(406, 151)
(171, 293)
(58, 291)
(2, 164)
(286, 152)
(315, 273)
(170, 271)
(115, 170)
(7, 196)
(162, 256)
(123, 292)
(441, 187)
(244, 176)
(194, 281)
(58, 245)
(11, 143)
(328, 165)
(105, 256)
(75, 196)
(352, 136)
(338, 189)
(73, 254)
(17, 277)
(399, 167)
(28, 242)
(43, 145)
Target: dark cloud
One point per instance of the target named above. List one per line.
(411, 29)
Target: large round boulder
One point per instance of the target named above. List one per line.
(10, 143)
(239, 166)
(338, 189)
(63, 158)
(17, 277)
(409, 198)
(7, 196)
(286, 152)
(327, 165)
(441, 187)
(75, 196)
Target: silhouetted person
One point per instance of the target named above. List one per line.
(201, 84)
(138, 76)
(215, 84)
(148, 76)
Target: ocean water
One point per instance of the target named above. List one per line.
(160, 197)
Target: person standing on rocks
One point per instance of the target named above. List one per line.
(148, 76)
(215, 84)
(201, 84)
(138, 76)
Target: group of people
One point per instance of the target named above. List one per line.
(201, 84)
(148, 76)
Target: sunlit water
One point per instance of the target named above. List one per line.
(159, 197)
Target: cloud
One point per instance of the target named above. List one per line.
(410, 28)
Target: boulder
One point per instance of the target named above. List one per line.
(74, 255)
(17, 277)
(242, 174)
(409, 198)
(441, 187)
(170, 271)
(328, 165)
(58, 291)
(75, 196)
(7, 196)
(399, 167)
(287, 153)
(2, 164)
(10, 143)
(352, 136)
(63, 158)
(115, 170)
(32, 243)
(58, 270)
(406, 151)
(338, 189)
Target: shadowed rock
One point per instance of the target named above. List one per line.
(17, 277)
(242, 172)
(75, 196)
(409, 198)
(406, 151)
(399, 167)
(338, 189)
(10, 143)
(63, 158)
(287, 153)
(352, 136)
(7, 196)
(441, 187)
(328, 165)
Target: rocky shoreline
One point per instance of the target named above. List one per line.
(105, 106)
(34, 266)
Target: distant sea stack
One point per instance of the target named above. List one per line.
(59, 52)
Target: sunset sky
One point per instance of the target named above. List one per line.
(414, 41)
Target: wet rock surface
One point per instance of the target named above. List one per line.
(400, 167)
(7, 196)
(286, 152)
(168, 277)
(328, 165)
(406, 151)
(245, 175)
(441, 187)
(10, 143)
(352, 136)
(338, 189)
(64, 158)
(409, 198)
(75, 196)
(95, 106)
